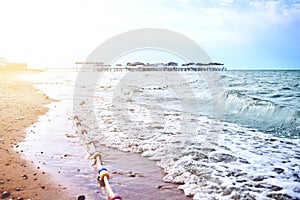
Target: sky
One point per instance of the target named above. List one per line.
(241, 34)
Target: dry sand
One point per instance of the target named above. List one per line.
(20, 106)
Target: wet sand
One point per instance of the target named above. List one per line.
(20, 106)
(136, 177)
(131, 176)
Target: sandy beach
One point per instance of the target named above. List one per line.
(20, 107)
(31, 169)
(44, 153)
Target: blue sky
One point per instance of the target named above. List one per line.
(242, 34)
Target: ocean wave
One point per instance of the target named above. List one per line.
(262, 114)
(220, 160)
(228, 158)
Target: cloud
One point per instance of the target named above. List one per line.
(45, 30)
(226, 2)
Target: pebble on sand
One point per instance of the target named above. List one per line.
(5, 194)
(81, 197)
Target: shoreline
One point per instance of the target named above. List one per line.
(69, 167)
(21, 105)
(53, 147)
(133, 176)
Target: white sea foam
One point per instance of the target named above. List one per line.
(222, 160)
(219, 160)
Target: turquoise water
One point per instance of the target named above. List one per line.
(266, 100)
(241, 142)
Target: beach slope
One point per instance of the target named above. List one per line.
(20, 106)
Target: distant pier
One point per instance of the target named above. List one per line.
(142, 67)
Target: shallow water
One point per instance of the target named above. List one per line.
(247, 149)
(55, 145)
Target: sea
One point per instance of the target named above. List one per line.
(218, 135)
